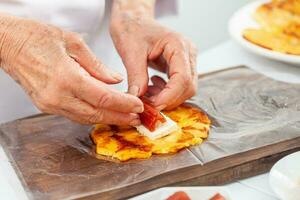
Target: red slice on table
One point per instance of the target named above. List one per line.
(151, 117)
(217, 196)
(180, 195)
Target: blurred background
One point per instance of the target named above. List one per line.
(205, 22)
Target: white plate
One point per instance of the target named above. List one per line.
(243, 19)
(195, 193)
(285, 177)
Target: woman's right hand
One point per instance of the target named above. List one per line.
(61, 74)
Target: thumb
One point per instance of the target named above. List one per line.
(81, 53)
(137, 73)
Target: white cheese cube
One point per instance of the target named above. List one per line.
(162, 130)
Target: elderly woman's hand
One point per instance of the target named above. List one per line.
(141, 41)
(61, 74)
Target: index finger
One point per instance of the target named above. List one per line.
(100, 95)
(180, 79)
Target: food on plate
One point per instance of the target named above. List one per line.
(217, 196)
(124, 142)
(292, 6)
(276, 42)
(274, 18)
(180, 195)
(279, 26)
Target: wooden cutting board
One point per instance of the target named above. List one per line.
(54, 158)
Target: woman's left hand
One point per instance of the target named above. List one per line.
(143, 42)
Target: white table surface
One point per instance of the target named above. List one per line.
(224, 55)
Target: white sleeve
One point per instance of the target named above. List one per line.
(162, 7)
(165, 7)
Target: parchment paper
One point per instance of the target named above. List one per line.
(248, 111)
(55, 157)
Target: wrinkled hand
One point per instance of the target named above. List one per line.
(142, 42)
(61, 74)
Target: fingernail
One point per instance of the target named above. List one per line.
(116, 75)
(134, 116)
(134, 90)
(138, 109)
(152, 99)
(161, 107)
(135, 122)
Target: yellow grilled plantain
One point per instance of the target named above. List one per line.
(279, 28)
(124, 143)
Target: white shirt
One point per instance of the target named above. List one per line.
(74, 15)
(87, 17)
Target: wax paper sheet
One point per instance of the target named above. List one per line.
(248, 110)
(55, 158)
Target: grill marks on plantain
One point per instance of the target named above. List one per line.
(124, 143)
